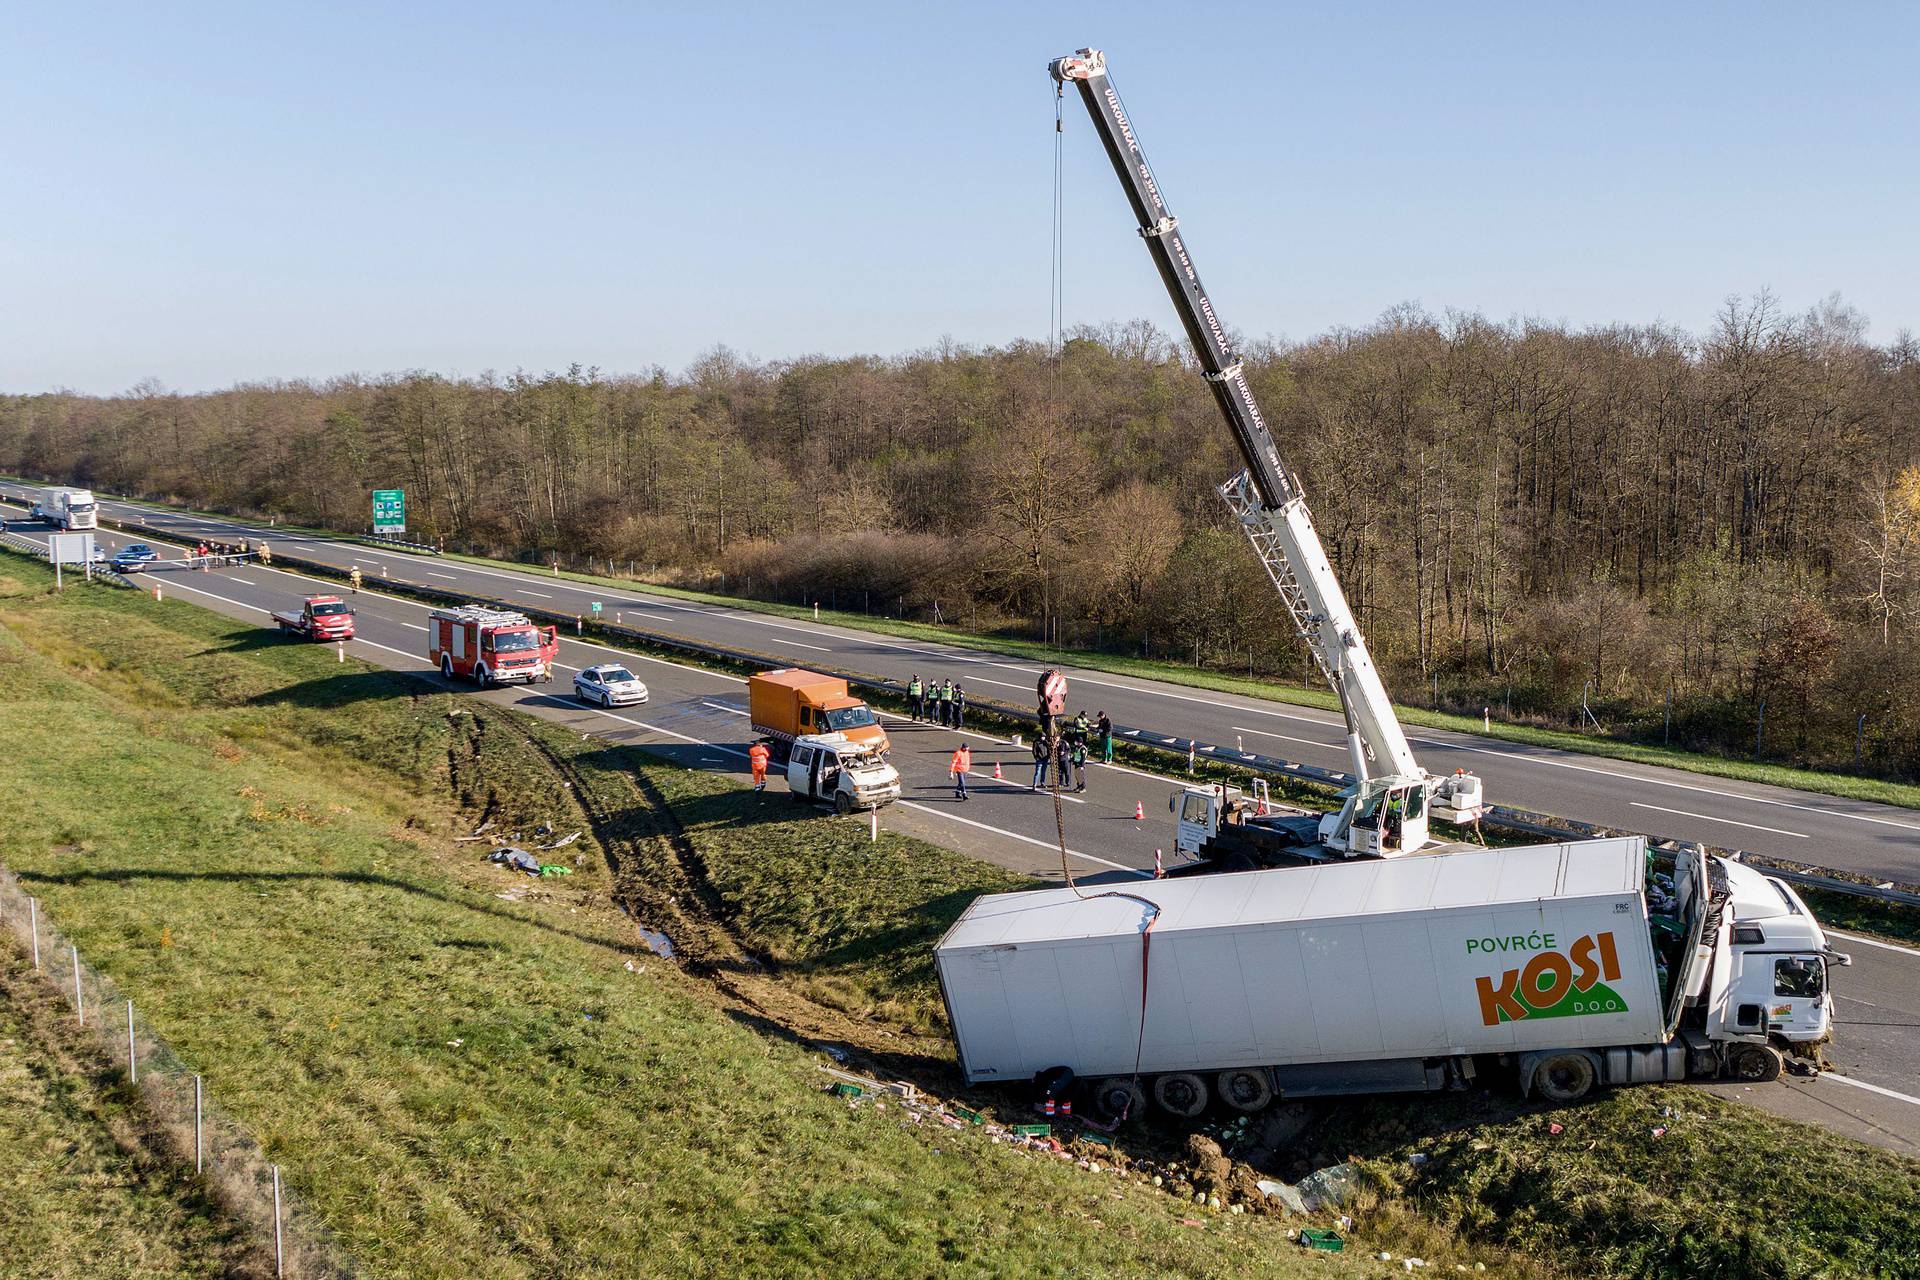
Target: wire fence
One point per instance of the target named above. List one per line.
(205, 1136)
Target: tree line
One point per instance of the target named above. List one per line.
(1710, 539)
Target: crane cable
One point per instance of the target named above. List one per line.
(1056, 318)
(1055, 287)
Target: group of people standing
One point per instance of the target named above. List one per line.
(940, 702)
(1067, 752)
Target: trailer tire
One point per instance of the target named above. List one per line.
(1753, 1063)
(1245, 1089)
(446, 665)
(1180, 1093)
(1118, 1098)
(1564, 1077)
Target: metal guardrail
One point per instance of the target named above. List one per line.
(1499, 817)
(398, 544)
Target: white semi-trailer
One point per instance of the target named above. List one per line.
(69, 509)
(1563, 965)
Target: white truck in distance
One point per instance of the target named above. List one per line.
(1560, 966)
(69, 509)
(836, 770)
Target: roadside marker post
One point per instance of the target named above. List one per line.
(873, 832)
(79, 996)
(198, 1147)
(340, 650)
(133, 1067)
(279, 1258)
(33, 910)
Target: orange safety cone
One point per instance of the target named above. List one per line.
(1139, 814)
(998, 776)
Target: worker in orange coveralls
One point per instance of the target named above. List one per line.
(757, 756)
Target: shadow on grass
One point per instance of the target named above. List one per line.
(73, 878)
(340, 690)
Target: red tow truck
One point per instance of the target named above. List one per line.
(318, 618)
(490, 646)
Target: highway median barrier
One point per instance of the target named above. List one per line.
(1169, 753)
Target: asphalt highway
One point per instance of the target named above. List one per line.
(1875, 840)
(698, 717)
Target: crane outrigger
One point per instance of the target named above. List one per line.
(1384, 813)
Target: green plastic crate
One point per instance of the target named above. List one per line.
(1321, 1238)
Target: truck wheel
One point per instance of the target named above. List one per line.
(1118, 1098)
(480, 674)
(446, 666)
(1565, 1077)
(842, 803)
(1181, 1093)
(1753, 1063)
(1245, 1089)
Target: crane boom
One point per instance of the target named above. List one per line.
(1266, 498)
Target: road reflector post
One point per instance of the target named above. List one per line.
(197, 1145)
(577, 625)
(79, 997)
(279, 1257)
(133, 1069)
(873, 833)
(340, 650)
(33, 910)
(156, 591)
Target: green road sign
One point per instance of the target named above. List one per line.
(596, 608)
(389, 511)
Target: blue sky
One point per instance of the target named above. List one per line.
(206, 194)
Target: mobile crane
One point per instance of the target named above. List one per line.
(1384, 813)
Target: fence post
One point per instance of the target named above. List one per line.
(279, 1259)
(79, 997)
(197, 1146)
(133, 1067)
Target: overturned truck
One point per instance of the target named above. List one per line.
(1561, 967)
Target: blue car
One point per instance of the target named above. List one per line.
(135, 555)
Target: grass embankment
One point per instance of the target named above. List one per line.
(88, 1186)
(331, 946)
(456, 1067)
(1848, 786)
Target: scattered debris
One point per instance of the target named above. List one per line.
(1556, 1129)
(561, 843)
(1331, 1187)
(518, 859)
(657, 942)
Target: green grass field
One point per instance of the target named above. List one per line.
(88, 1189)
(460, 1071)
(256, 846)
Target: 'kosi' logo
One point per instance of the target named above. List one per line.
(1550, 985)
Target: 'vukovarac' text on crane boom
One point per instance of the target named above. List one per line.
(1385, 812)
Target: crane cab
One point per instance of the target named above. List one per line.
(1378, 818)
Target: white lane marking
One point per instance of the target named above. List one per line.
(1873, 942)
(1707, 817)
(1514, 756)
(1268, 733)
(1871, 1088)
(543, 595)
(242, 581)
(1015, 835)
(449, 577)
(1662, 782)
(181, 586)
(815, 647)
(584, 644)
(413, 625)
(732, 711)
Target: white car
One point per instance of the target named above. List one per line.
(610, 685)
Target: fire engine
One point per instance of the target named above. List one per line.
(490, 646)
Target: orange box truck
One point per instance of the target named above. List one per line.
(791, 703)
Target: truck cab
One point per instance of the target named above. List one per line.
(792, 703)
(833, 769)
(1776, 984)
